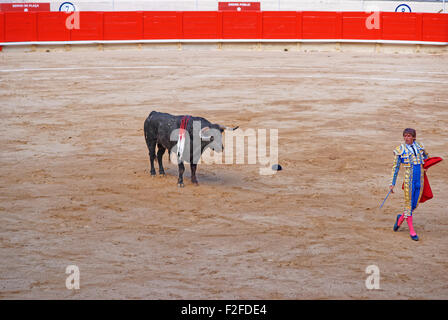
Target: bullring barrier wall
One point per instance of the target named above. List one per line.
(20, 28)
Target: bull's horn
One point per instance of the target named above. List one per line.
(204, 129)
(201, 134)
(228, 128)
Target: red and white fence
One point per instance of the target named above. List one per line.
(184, 26)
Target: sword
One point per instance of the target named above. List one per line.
(385, 198)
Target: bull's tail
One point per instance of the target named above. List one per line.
(145, 131)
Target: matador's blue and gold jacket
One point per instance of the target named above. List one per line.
(408, 155)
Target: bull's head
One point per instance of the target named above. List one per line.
(211, 137)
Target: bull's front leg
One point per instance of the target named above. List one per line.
(180, 181)
(193, 173)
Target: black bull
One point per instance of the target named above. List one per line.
(162, 129)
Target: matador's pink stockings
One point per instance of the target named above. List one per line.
(411, 227)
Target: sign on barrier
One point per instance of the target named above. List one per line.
(24, 7)
(67, 7)
(239, 6)
(403, 8)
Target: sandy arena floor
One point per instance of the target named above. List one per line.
(76, 189)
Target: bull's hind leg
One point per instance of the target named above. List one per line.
(152, 155)
(160, 151)
(180, 181)
(151, 140)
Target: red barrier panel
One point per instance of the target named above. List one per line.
(361, 25)
(162, 25)
(202, 25)
(242, 25)
(91, 27)
(435, 27)
(125, 25)
(2, 27)
(280, 25)
(20, 26)
(401, 26)
(321, 25)
(51, 26)
(132, 25)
